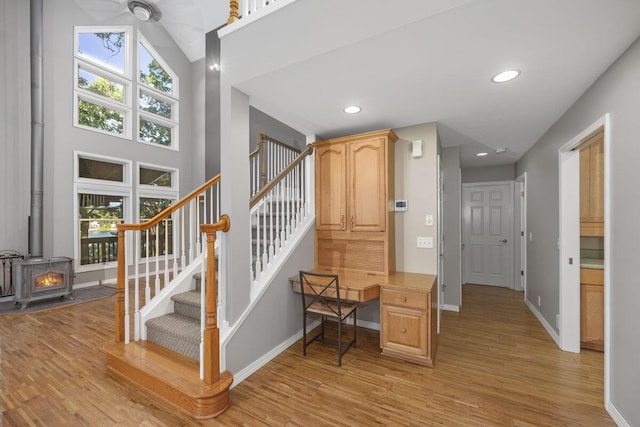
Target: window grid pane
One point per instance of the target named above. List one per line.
(98, 169)
(151, 72)
(107, 49)
(155, 177)
(100, 117)
(99, 214)
(154, 132)
(154, 105)
(100, 85)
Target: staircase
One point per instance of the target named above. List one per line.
(167, 341)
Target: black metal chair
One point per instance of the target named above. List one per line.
(321, 295)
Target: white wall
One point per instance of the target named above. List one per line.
(417, 182)
(615, 92)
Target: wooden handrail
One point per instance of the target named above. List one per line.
(211, 334)
(169, 209)
(262, 137)
(263, 191)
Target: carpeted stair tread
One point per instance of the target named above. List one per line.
(176, 332)
(187, 304)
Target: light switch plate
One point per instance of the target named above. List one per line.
(428, 220)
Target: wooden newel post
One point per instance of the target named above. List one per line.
(262, 141)
(233, 11)
(211, 332)
(119, 308)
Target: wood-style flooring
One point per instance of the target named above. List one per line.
(495, 366)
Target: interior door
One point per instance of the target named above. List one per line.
(487, 232)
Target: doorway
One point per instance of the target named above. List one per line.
(487, 219)
(569, 301)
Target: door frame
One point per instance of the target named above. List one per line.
(520, 252)
(569, 222)
(441, 243)
(463, 233)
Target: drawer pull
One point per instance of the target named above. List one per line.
(403, 299)
(403, 330)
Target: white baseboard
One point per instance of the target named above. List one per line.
(451, 307)
(618, 418)
(554, 335)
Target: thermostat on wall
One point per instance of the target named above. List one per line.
(401, 205)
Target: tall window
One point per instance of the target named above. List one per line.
(102, 195)
(104, 88)
(102, 99)
(157, 190)
(157, 98)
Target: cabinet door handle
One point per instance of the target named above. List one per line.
(504, 240)
(342, 221)
(403, 330)
(351, 221)
(403, 299)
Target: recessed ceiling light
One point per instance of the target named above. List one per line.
(501, 150)
(352, 109)
(481, 154)
(505, 76)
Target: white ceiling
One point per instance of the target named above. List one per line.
(417, 61)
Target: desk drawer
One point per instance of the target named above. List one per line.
(403, 298)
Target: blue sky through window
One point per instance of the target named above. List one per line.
(106, 48)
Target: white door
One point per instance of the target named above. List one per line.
(487, 234)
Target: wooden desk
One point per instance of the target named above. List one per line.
(408, 309)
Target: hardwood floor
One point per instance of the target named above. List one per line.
(495, 366)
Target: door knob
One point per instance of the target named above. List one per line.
(504, 240)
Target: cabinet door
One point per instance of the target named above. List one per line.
(585, 185)
(403, 330)
(366, 178)
(596, 183)
(592, 316)
(330, 187)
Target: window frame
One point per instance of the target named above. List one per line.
(106, 72)
(102, 187)
(173, 98)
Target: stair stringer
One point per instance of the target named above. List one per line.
(262, 285)
(162, 303)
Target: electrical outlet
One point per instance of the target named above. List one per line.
(539, 301)
(557, 321)
(425, 242)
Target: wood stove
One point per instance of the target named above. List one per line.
(42, 278)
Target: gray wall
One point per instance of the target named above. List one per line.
(263, 123)
(61, 138)
(417, 182)
(615, 92)
(452, 280)
(490, 173)
(276, 317)
(15, 121)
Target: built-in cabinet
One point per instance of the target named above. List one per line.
(408, 319)
(354, 189)
(592, 308)
(592, 187)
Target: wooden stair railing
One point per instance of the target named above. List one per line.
(211, 333)
(201, 205)
(267, 160)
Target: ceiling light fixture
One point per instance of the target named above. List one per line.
(501, 150)
(505, 76)
(144, 11)
(481, 154)
(215, 67)
(352, 109)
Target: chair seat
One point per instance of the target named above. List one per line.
(330, 308)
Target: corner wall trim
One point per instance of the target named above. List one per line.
(544, 322)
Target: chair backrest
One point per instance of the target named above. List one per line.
(324, 288)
